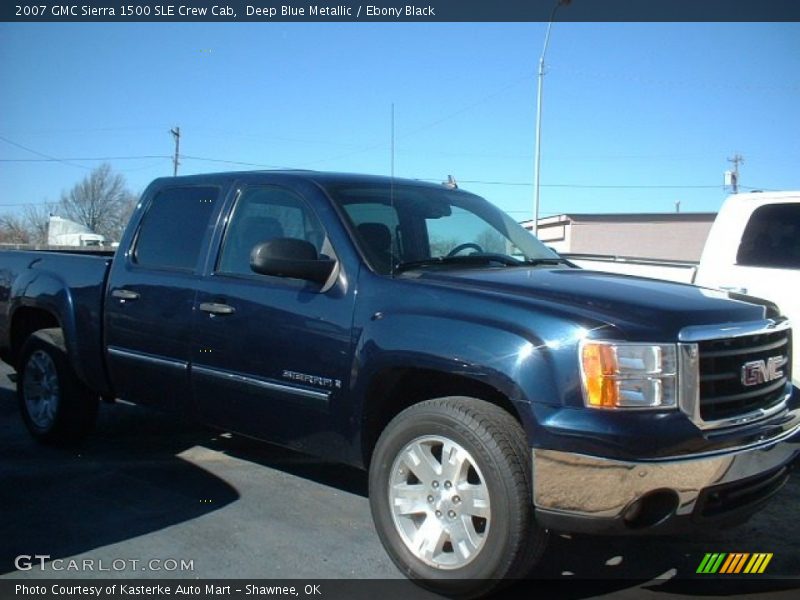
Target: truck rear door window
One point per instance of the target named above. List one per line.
(173, 228)
(772, 237)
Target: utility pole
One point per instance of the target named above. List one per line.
(176, 133)
(537, 161)
(733, 179)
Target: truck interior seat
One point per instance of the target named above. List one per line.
(377, 244)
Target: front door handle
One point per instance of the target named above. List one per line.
(217, 308)
(125, 294)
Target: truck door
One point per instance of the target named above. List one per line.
(151, 297)
(271, 355)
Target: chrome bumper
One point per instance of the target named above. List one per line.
(578, 492)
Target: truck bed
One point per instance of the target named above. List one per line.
(68, 284)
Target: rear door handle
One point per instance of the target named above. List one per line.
(217, 308)
(125, 294)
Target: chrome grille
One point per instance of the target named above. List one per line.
(723, 391)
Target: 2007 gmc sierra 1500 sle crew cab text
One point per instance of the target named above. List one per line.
(494, 391)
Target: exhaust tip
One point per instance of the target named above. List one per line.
(651, 509)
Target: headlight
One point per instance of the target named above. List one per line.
(629, 375)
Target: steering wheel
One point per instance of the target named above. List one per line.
(465, 246)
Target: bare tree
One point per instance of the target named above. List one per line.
(13, 230)
(440, 246)
(492, 241)
(37, 219)
(101, 202)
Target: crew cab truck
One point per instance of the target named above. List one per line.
(493, 391)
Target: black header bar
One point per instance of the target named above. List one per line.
(359, 589)
(401, 11)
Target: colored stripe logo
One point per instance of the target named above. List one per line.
(734, 563)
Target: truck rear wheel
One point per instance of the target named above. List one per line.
(56, 406)
(450, 493)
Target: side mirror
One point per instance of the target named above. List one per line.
(290, 257)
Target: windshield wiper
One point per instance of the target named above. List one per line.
(470, 259)
(555, 260)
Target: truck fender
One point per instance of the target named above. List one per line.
(512, 362)
(48, 292)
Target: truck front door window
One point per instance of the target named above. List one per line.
(263, 214)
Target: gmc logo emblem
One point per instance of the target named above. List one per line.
(757, 372)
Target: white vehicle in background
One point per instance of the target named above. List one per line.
(753, 248)
(63, 232)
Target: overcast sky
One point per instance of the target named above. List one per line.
(636, 116)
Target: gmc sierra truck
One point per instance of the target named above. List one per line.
(494, 391)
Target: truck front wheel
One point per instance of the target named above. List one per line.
(56, 406)
(450, 493)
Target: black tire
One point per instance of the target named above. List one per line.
(56, 406)
(468, 554)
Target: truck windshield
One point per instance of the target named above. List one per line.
(407, 226)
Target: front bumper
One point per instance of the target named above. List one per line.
(590, 494)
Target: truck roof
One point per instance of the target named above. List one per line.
(764, 196)
(320, 177)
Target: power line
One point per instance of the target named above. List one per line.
(83, 130)
(434, 123)
(579, 185)
(34, 160)
(42, 154)
(431, 179)
(629, 187)
(690, 84)
(467, 107)
(142, 157)
(232, 162)
(47, 159)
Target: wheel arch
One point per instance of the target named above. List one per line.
(394, 389)
(26, 321)
(81, 340)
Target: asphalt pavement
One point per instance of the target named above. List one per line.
(150, 496)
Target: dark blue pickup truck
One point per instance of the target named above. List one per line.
(494, 391)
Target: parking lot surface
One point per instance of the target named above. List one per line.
(154, 496)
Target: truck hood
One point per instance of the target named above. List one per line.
(636, 305)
